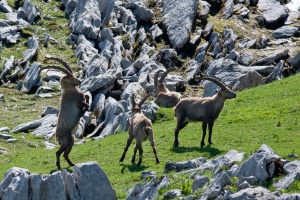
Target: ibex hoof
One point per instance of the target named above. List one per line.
(176, 144)
(157, 161)
(139, 163)
(202, 144)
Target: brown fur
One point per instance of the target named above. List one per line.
(140, 129)
(205, 110)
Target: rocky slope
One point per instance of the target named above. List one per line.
(119, 46)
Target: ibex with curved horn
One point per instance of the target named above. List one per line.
(140, 129)
(73, 104)
(205, 110)
(164, 97)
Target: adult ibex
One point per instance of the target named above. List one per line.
(140, 129)
(73, 104)
(164, 97)
(196, 109)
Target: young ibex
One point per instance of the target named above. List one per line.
(196, 109)
(140, 129)
(164, 97)
(73, 104)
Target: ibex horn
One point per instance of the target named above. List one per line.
(216, 81)
(65, 64)
(145, 98)
(132, 100)
(156, 77)
(69, 74)
(166, 73)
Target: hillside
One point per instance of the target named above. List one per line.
(132, 41)
(264, 115)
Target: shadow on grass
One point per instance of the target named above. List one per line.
(132, 168)
(208, 150)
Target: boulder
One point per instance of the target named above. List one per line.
(178, 18)
(31, 80)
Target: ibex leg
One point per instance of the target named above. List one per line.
(210, 127)
(154, 151)
(180, 125)
(139, 146)
(204, 126)
(134, 154)
(129, 141)
(68, 150)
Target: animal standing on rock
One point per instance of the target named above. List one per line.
(140, 129)
(205, 110)
(164, 97)
(73, 104)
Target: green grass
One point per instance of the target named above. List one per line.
(263, 115)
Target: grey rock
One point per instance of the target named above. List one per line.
(140, 11)
(251, 180)
(83, 121)
(148, 190)
(208, 28)
(89, 16)
(29, 12)
(9, 34)
(204, 10)
(277, 55)
(240, 77)
(233, 55)
(199, 182)
(92, 182)
(258, 165)
(293, 17)
(273, 12)
(184, 165)
(295, 61)
(49, 110)
(47, 127)
(148, 174)
(277, 72)
(285, 32)
(178, 18)
(2, 98)
(7, 68)
(32, 78)
(4, 7)
(4, 130)
(250, 193)
(171, 194)
(15, 179)
(49, 145)
(5, 136)
(155, 31)
(33, 46)
(228, 9)
(245, 59)
(201, 48)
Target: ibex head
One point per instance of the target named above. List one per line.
(67, 80)
(159, 86)
(136, 108)
(225, 91)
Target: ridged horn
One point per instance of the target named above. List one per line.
(132, 100)
(65, 64)
(145, 98)
(161, 80)
(69, 74)
(216, 81)
(156, 78)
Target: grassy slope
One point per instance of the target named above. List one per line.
(264, 115)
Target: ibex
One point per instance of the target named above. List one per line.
(164, 97)
(140, 129)
(73, 104)
(197, 109)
